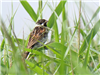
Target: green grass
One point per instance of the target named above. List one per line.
(64, 55)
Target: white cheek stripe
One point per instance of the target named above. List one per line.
(40, 24)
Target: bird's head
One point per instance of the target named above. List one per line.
(42, 22)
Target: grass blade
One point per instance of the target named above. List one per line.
(87, 54)
(2, 45)
(82, 33)
(95, 14)
(58, 11)
(41, 54)
(57, 46)
(56, 32)
(86, 41)
(35, 68)
(29, 9)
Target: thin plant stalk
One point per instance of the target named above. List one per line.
(40, 7)
(79, 23)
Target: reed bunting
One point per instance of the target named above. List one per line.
(37, 36)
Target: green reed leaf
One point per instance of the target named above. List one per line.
(29, 9)
(2, 45)
(86, 41)
(58, 11)
(87, 53)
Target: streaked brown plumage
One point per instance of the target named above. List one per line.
(39, 34)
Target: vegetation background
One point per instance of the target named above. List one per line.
(75, 49)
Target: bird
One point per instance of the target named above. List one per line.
(38, 36)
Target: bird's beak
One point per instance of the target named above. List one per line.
(46, 21)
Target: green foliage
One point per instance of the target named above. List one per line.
(2, 45)
(60, 57)
(57, 11)
(94, 30)
(29, 9)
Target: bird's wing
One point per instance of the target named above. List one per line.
(35, 36)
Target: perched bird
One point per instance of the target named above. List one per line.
(38, 35)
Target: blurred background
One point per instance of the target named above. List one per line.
(23, 22)
(75, 32)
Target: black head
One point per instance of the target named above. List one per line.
(42, 22)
